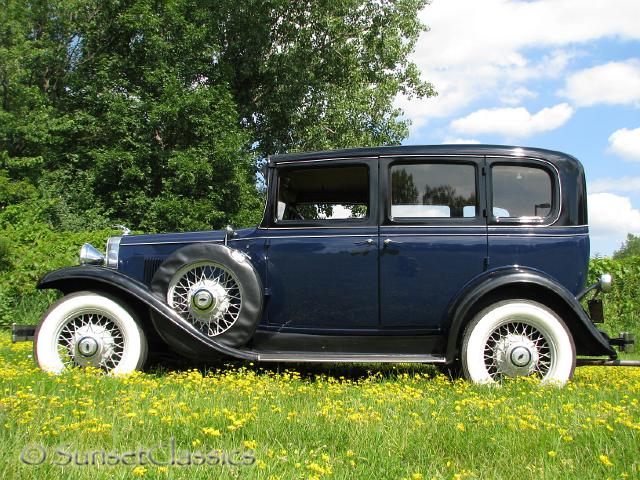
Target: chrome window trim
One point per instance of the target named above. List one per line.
(542, 222)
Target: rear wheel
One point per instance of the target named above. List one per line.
(518, 338)
(88, 329)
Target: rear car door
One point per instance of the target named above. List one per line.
(433, 237)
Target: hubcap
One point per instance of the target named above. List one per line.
(517, 349)
(87, 346)
(207, 295)
(91, 340)
(203, 300)
(520, 356)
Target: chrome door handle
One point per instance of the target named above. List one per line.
(368, 241)
(388, 241)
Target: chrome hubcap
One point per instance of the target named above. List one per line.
(91, 340)
(87, 346)
(207, 295)
(517, 349)
(208, 300)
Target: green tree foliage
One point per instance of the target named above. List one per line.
(622, 308)
(156, 114)
(630, 248)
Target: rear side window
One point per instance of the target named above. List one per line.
(521, 191)
(323, 193)
(433, 190)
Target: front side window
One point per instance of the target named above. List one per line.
(435, 190)
(323, 193)
(521, 191)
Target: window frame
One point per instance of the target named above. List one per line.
(475, 161)
(556, 191)
(272, 207)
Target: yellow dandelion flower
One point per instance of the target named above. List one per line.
(250, 444)
(213, 432)
(552, 453)
(140, 471)
(605, 461)
(460, 426)
(417, 476)
(350, 453)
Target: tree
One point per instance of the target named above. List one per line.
(157, 114)
(630, 248)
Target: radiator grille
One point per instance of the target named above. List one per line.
(151, 264)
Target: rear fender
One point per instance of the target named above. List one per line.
(531, 284)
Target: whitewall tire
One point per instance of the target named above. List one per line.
(518, 338)
(89, 329)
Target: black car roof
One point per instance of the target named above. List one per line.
(558, 158)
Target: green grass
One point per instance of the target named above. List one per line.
(321, 422)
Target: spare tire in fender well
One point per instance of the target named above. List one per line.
(237, 263)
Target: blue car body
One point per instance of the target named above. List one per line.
(382, 285)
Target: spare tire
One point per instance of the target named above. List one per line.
(213, 287)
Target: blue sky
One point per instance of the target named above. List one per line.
(558, 74)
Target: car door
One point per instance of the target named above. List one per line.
(433, 236)
(322, 247)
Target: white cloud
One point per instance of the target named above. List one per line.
(611, 217)
(614, 83)
(513, 122)
(460, 141)
(517, 95)
(477, 48)
(620, 185)
(625, 143)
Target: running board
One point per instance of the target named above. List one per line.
(332, 357)
(607, 363)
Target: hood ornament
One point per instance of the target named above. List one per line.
(125, 230)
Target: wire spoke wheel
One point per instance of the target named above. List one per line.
(91, 339)
(207, 295)
(517, 349)
(90, 329)
(517, 338)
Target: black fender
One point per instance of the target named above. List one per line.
(84, 277)
(589, 340)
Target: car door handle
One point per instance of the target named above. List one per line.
(368, 241)
(388, 241)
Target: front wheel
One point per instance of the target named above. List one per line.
(518, 338)
(88, 329)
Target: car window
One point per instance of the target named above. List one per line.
(521, 191)
(323, 193)
(433, 190)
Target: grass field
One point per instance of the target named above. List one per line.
(313, 422)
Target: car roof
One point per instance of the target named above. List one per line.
(555, 157)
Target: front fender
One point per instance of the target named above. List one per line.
(72, 279)
(589, 340)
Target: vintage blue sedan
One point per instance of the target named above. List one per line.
(465, 256)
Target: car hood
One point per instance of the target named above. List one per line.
(187, 237)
